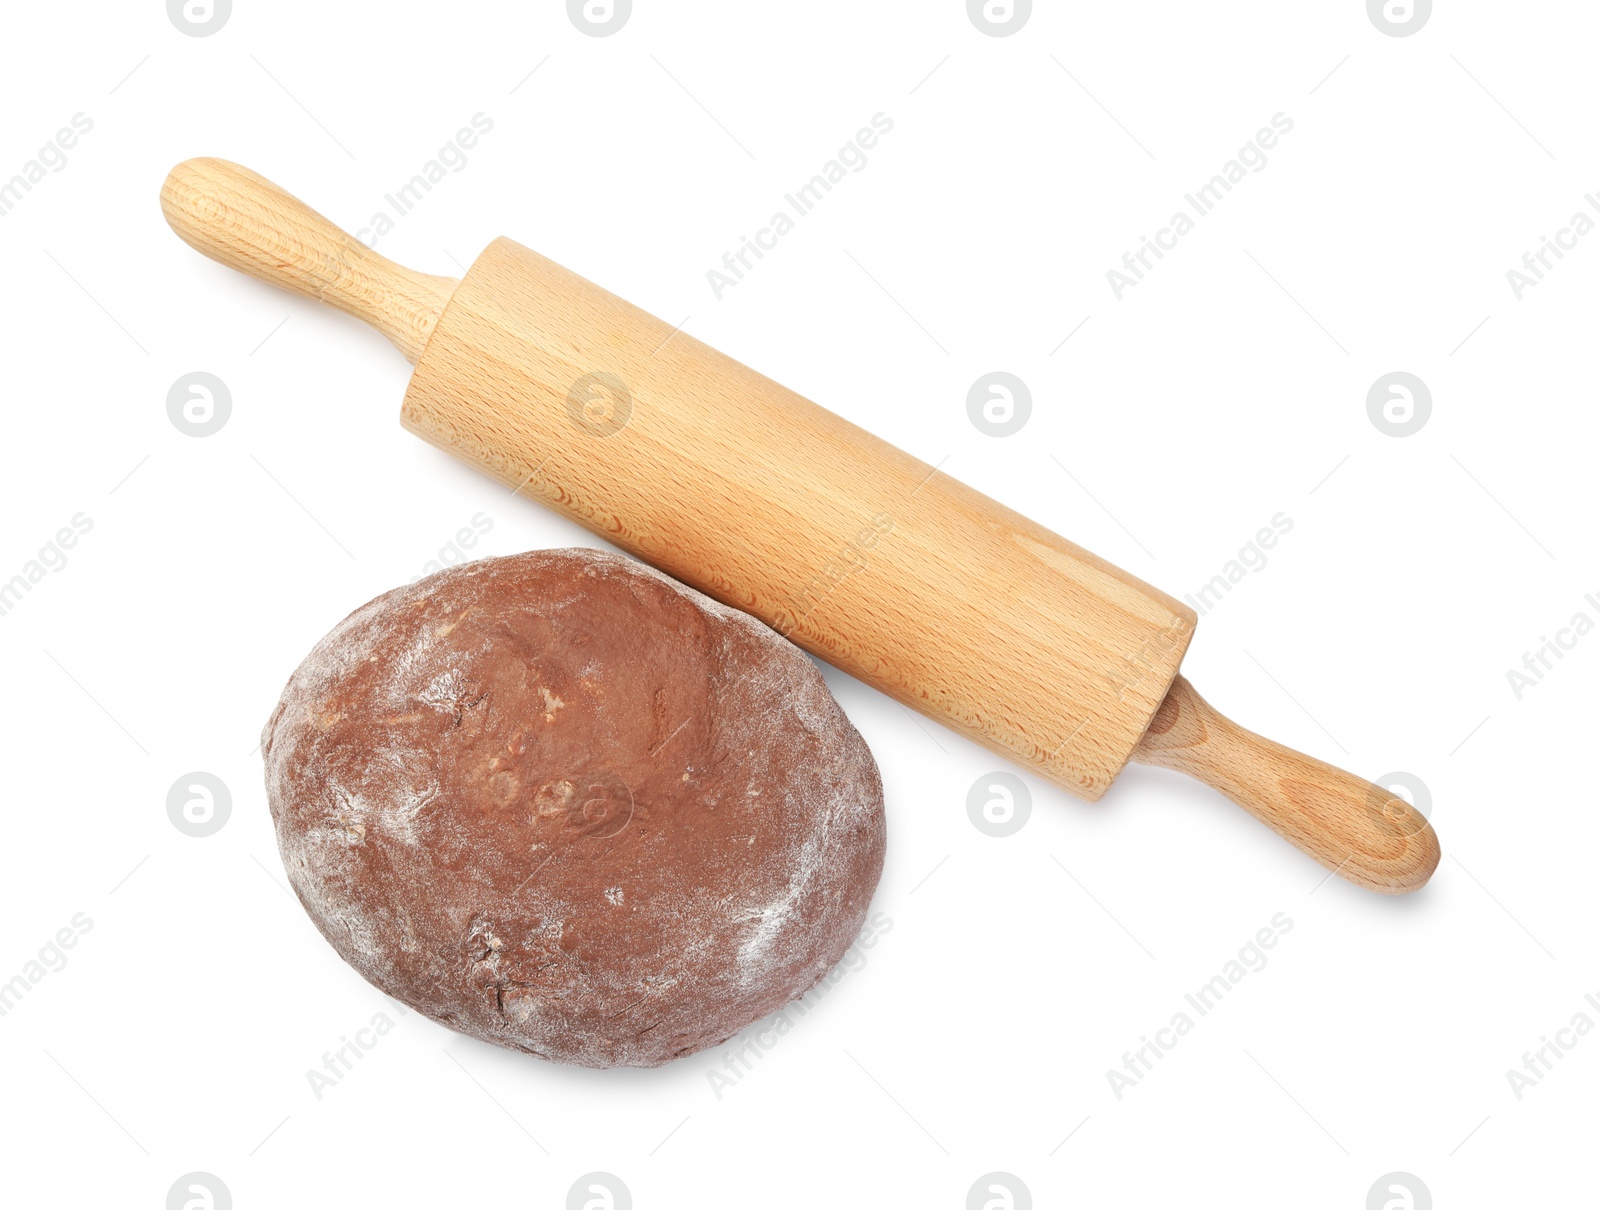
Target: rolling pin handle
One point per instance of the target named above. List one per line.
(1360, 831)
(246, 222)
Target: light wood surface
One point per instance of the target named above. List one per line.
(934, 594)
(246, 222)
(1356, 829)
(902, 576)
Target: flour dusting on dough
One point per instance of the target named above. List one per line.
(566, 804)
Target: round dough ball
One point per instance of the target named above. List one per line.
(563, 803)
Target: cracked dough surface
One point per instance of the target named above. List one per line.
(565, 804)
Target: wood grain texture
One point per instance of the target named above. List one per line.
(923, 588)
(918, 585)
(246, 222)
(1358, 830)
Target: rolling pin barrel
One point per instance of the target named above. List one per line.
(867, 557)
(923, 588)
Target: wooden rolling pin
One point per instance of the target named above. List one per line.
(895, 573)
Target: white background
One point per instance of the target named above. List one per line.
(1227, 387)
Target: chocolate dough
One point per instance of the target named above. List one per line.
(563, 803)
